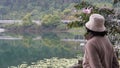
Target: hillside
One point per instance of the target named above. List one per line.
(16, 9)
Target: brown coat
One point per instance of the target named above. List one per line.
(99, 53)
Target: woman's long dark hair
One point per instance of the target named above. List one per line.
(95, 33)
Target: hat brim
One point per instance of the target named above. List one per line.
(90, 26)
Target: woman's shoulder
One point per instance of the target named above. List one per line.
(90, 42)
(94, 40)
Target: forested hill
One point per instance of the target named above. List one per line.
(16, 9)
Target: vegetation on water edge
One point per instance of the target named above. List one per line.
(49, 63)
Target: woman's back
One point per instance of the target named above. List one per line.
(102, 53)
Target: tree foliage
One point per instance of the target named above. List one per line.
(9, 8)
(27, 19)
(51, 20)
(111, 18)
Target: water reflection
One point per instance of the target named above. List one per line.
(16, 48)
(10, 38)
(17, 38)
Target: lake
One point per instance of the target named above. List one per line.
(27, 47)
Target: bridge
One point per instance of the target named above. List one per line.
(17, 21)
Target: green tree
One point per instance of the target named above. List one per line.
(51, 20)
(27, 19)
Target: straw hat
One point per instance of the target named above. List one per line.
(96, 23)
